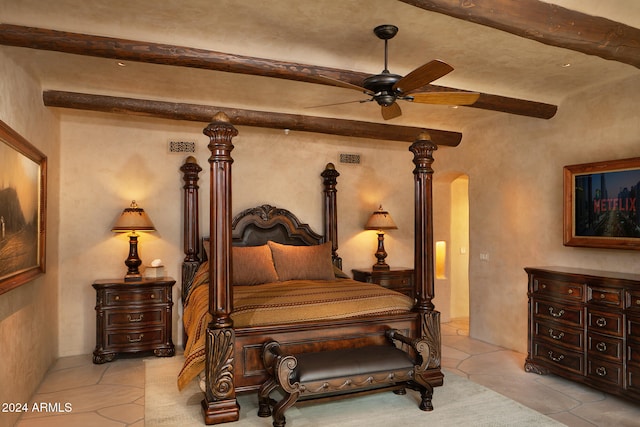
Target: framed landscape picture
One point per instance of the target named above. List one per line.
(23, 185)
(601, 204)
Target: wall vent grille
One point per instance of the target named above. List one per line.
(350, 158)
(182, 147)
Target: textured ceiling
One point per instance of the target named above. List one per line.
(330, 33)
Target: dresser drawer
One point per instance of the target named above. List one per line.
(118, 318)
(559, 335)
(553, 356)
(605, 347)
(558, 289)
(559, 312)
(605, 323)
(119, 297)
(606, 372)
(123, 339)
(633, 301)
(605, 297)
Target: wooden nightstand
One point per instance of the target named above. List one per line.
(398, 279)
(133, 317)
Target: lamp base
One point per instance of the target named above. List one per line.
(133, 277)
(381, 267)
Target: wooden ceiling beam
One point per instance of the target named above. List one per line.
(239, 117)
(547, 23)
(156, 53)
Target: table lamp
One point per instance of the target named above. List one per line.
(380, 220)
(133, 219)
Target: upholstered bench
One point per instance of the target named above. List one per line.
(337, 372)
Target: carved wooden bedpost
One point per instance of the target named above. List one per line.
(423, 149)
(330, 214)
(220, 404)
(190, 170)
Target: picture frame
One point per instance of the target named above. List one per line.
(602, 204)
(23, 210)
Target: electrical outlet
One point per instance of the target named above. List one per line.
(484, 256)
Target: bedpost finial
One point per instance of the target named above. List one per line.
(220, 116)
(424, 136)
(191, 159)
(330, 166)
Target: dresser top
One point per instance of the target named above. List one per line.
(585, 272)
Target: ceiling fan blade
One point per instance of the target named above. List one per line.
(422, 76)
(446, 98)
(340, 83)
(391, 112)
(340, 103)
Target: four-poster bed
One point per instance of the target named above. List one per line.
(231, 345)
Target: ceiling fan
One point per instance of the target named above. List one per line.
(386, 88)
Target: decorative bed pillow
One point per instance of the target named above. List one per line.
(253, 265)
(302, 262)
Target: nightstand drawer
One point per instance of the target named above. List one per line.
(134, 338)
(119, 318)
(115, 297)
(395, 282)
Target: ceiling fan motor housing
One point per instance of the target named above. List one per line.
(382, 87)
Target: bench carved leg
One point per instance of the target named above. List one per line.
(280, 408)
(264, 400)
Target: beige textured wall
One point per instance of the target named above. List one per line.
(515, 189)
(28, 314)
(107, 160)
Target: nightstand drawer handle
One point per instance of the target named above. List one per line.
(601, 371)
(556, 337)
(570, 291)
(153, 296)
(602, 322)
(138, 319)
(117, 298)
(558, 314)
(601, 346)
(555, 359)
(135, 340)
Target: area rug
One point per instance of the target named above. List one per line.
(459, 402)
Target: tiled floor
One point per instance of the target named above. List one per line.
(113, 394)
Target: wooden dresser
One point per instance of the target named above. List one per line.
(399, 279)
(585, 325)
(133, 317)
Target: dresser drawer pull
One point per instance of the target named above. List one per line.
(117, 298)
(558, 314)
(602, 296)
(601, 371)
(554, 358)
(601, 346)
(638, 302)
(135, 340)
(137, 319)
(555, 337)
(602, 322)
(153, 296)
(570, 292)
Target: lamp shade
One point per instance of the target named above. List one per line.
(380, 220)
(133, 218)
